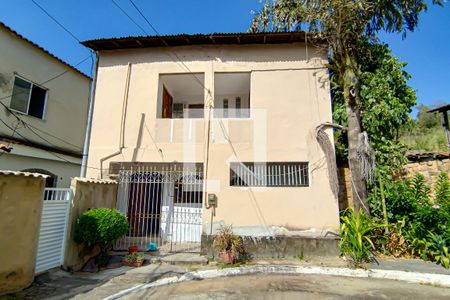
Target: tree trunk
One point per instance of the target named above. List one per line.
(359, 189)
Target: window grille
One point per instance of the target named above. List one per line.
(271, 174)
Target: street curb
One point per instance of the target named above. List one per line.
(411, 277)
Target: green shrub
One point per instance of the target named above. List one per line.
(442, 190)
(425, 229)
(433, 247)
(356, 236)
(420, 190)
(100, 227)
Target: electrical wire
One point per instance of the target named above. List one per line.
(50, 79)
(50, 152)
(129, 17)
(56, 21)
(167, 45)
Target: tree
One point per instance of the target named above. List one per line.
(386, 102)
(341, 24)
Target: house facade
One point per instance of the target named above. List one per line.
(210, 130)
(44, 111)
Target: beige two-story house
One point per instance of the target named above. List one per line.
(43, 110)
(206, 130)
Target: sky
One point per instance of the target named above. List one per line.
(426, 50)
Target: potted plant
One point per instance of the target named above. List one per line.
(132, 249)
(133, 260)
(228, 245)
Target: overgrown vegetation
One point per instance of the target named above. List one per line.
(372, 99)
(425, 132)
(100, 227)
(418, 222)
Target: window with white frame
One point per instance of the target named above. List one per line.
(271, 174)
(28, 98)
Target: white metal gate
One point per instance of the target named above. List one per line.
(53, 230)
(163, 204)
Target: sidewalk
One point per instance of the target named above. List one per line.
(62, 285)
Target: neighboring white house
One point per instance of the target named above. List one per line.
(43, 116)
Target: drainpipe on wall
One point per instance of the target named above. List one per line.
(87, 135)
(122, 122)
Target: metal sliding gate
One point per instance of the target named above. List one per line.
(163, 204)
(53, 230)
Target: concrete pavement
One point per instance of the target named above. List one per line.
(267, 286)
(62, 285)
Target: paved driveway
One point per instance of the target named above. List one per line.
(292, 287)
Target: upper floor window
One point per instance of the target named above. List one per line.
(28, 98)
(181, 96)
(232, 95)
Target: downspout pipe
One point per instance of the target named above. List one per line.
(87, 135)
(122, 122)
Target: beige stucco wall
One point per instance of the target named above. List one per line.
(21, 199)
(67, 101)
(87, 194)
(290, 97)
(62, 169)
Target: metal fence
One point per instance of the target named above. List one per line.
(163, 204)
(53, 229)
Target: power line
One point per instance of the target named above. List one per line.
(51, 135)
(61, 25)
(129, 17)
(29, 126)
(146, 20)
(50, 152)
(159, 35)
(51, 79)
(56, 21)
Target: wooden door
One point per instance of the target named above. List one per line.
(167, 104)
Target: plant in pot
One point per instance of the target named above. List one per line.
(133, 259)
(228, 245)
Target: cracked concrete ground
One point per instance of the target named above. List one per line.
(263, 286)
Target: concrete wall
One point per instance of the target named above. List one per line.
(21, 200)
(66, 108)
(87, 194)
(289, 97)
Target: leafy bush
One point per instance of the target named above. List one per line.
(393, 242)
(442, 189)
(425, 220)
(434, 247)
(420, 190)
(100, 227)
(400, 201)
(356, 236)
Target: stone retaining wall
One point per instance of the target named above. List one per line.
(429, 167)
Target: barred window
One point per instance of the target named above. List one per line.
(270, 174)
